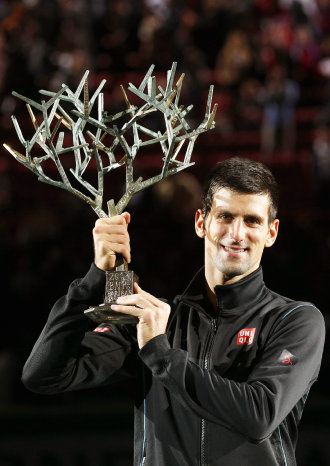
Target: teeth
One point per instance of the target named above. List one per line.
(233, 250)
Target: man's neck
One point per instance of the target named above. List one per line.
(215, 277)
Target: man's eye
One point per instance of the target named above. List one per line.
(252, 221)
(225, 216)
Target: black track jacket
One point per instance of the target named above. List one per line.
(220, 388)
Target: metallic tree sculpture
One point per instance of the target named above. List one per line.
(87, 136)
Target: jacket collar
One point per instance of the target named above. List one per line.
(234, 298)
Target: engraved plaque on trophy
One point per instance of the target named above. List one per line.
(118, 283)
(93, 138)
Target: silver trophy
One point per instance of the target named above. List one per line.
(68, 125)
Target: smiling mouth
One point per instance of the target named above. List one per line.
(234, 250)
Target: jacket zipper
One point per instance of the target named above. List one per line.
(206, 361)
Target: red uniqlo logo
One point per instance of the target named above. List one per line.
(101, 329)
(245, 336)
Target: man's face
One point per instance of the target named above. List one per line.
(236, 231)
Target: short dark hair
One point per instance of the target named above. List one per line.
(243, 176)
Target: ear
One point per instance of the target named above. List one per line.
(199, 223)
(272, 234)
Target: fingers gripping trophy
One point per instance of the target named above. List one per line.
(69, 124)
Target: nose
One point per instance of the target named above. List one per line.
(237, 230)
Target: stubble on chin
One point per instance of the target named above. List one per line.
(230, 270)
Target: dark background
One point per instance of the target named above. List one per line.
(270, 64)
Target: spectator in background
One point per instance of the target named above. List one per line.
(304, 52)
(247, 109)
(321, 158)
(279, 98)
(234, 59)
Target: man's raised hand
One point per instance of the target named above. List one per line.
(110, 238)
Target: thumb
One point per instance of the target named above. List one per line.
(127, 217)
(137, 288)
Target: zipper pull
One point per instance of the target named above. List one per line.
(214, 325)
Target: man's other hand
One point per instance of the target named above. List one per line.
(110, 238)
(152, 314)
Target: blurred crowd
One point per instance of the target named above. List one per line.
(259, 53)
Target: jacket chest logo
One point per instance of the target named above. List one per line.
(246, 336)
(101, 329)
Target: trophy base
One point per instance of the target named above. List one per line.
(104, 313)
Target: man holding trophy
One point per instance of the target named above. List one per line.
(223, 371)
